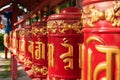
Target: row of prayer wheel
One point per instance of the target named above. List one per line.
(72, 45)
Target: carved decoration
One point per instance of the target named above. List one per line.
(41, 30)
(91, 15)
(42, 70)
(27, 62)
(62, 26)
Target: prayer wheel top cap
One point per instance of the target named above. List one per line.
(87, 2)
(66, 14)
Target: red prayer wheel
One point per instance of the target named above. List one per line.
(25, 38)
(64, 42)
(15, 34)
(101, 48)
(39, 55)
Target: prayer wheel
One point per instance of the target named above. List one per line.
(24, 52)
(39, 53)
(64, 45)
(101, 47)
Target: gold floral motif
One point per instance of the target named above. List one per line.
(62, 26)
(91, 15)
(42, 70)
(41, 30)
(27, 62)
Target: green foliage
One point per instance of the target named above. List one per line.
(1, 42)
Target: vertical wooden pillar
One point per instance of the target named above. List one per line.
(13, 60)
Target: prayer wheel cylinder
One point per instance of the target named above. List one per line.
(25, 37)
(39, 55)
(101, 48)
(64, 45)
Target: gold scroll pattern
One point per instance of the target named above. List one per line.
(62, 26)
(68, 56)
(91, 15)
(42, 70)
(42, 30)
(51, 55)
(39, 51)
(110, 51)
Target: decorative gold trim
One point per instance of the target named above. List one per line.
(91, 15)
(42, 30)
(27, 62)
(62, 26)
(42, 70)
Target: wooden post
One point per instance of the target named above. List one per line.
(13, 59)
(5, 51)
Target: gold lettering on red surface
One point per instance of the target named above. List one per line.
(80, 55)
(68, 56)
(51, 55)
(89, 64)
(31, 48)
(88, 41)
(40, 50)
(82, 68)
(100, 67)
(110, 51)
